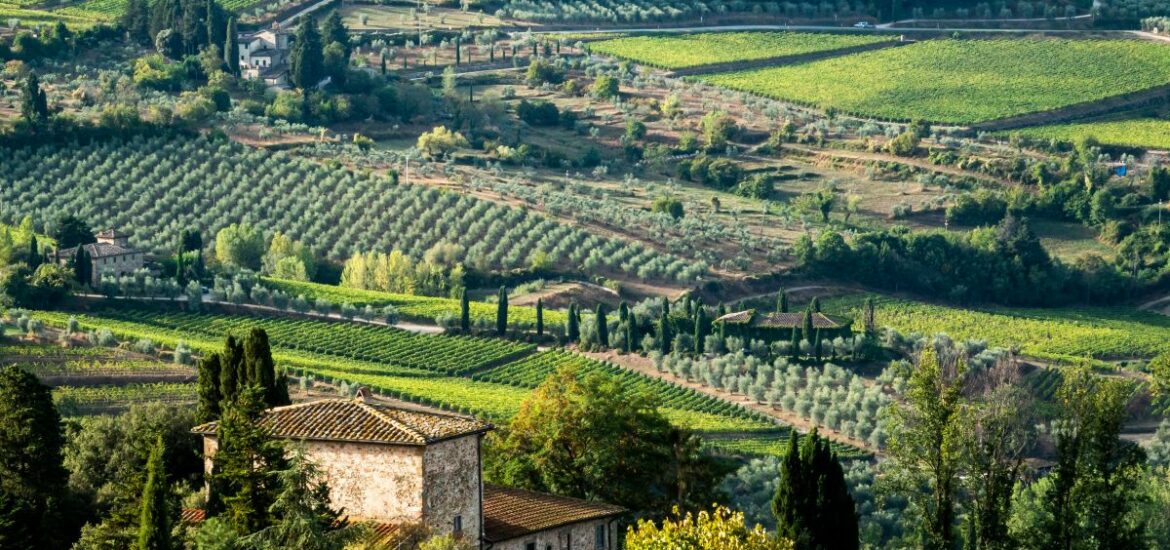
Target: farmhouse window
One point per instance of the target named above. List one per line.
(458, 525)
(599, 537)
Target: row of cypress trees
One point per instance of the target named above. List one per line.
(242, 364)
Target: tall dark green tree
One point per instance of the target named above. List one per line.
(502, 312)
(231, 369)
(208, 389)
(155, 512)
(34, 104)
(307, 59)
(539, 318)
(32, 478)
(664, 335)
(573, 327)
(812, 505)
(602, 326)
(34, 253)
(782, 302)
(244, 480)
(231, 48)
(794, 345)
(808, 326)
(870, 322)
(464, 312)
(70, 231)
(818, 348)
(815, 305)
(333, 31)
(700, 328)
(631, 332)
(136, 21)
(259, 365)
(81, 266)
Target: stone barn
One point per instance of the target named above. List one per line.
(388, 465)
(111, 254)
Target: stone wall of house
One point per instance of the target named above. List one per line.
(578, 536)
(453, 485)
(210, 446)
(123, 264)
(372, 482)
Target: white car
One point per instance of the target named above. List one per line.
(863, 25)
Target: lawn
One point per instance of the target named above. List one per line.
(692, 50)
(1147, 133)
(964, 81)
(1058, 334)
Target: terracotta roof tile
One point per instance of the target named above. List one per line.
(782, 320)
(511, 513)
(192, 515)
(358, 421)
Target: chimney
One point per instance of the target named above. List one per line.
(364, 394)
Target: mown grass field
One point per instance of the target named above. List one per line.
(1147, 133)
(27, 14)
(432, 373)
(692, 50)
(964, 81)
(1058, 334)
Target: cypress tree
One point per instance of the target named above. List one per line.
(231, 47)
(154, 518)
(783, 302)
(870, 322)
(700, 329)
(34, 253)
(306, 59)
(280, 392)
(808, 324)
(631, 332)
(458, 51)
(816, 304)
(208, 388)
(30, 454)
(502, 312)
(244, 479)
(722, 310)
(539, 318)
(817, 345)
(794, 346)
(573, 329)
(34, 104)
(209, 22)
(464, 312)
(664, 332)
(230, 366)
(623, 311)
(602, 326)
(260, 367)
(812, 504)
(383, 63)
(79, 265)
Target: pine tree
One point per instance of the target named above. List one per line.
(502, 312)
(464, 312)
(244, 479)
(539, 318)
(154, 519)
(602, 326)
(31, 471)
(307, 59)
(573, 328)
(231, 48)
(208, 388)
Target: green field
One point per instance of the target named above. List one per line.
(964, 81)
(28, 15)
(425, 308)
(692, 50)
(1147, 133)
(1059, 334)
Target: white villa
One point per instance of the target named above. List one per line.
(263, 55)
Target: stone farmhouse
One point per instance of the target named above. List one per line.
(779, 326)
(111, 254)
(390, 466)
(263, 55)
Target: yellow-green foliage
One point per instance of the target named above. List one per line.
(692, 50)
(1064, 334)
(1150, 133)
(964, 81)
